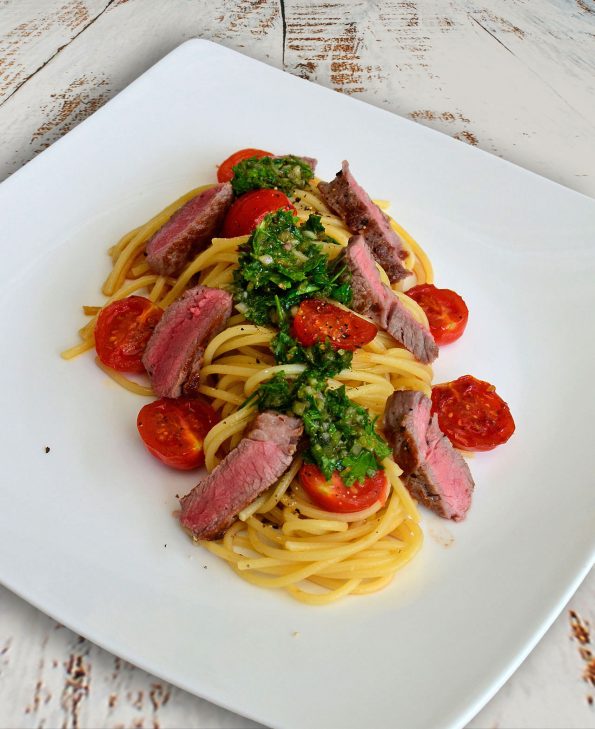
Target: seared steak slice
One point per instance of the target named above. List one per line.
(349, 200)
(188, 230)
(174, 353)
(434, 472)
(378, 302)
(260, 459)
(311, 162)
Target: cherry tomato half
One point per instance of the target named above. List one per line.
(471, 414)
(122, 331)
(249, 209)
(225, 171)
(334, 496)
(317, 321)
(446, 311)
(174, 430)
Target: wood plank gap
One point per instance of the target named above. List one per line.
(59, 50)
(491, 34)
(536, 74)
(284, 24)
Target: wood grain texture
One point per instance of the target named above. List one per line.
(125, 40)
(31, 34)
(455, 66)
(499, 75)
(51, 678)
(451, 65)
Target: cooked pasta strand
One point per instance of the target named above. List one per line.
(282, 540)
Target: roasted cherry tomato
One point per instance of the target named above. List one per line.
(122, 331)
(225, 171)
(174, 430)
(333, 495)
(249, 209)
(317, 321)
(471, 414)
(446, 311)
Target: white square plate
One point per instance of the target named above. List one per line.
(86, 530)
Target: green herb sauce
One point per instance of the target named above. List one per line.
(342, 436)
(282, 264)
(281, 173)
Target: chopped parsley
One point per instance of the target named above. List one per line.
(280, 265)
(283, 263)
(322, 356)
(342, 435)
(281, 173)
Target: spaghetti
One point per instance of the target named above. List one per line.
(282, 540)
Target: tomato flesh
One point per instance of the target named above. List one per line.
(317, 321)
(225, 171)
(174, 430)
(249, 210)
(335, 496)
(446, 311)
(122, 331)
(471, 414)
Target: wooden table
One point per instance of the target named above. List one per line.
(513, 77)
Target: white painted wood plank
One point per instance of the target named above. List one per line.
(31, 33)
(49, 677)
(550, 690)
(127, 39)
(434, 63)
(557, 44)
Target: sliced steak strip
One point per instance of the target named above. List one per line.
(349, 200)
(311, 162)
(433, 471)
(378, 302)
(188, 230)
(260, 459)
(174, 353)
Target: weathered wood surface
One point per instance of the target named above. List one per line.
(515, 82)
(513, 77)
